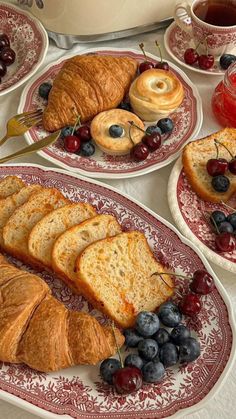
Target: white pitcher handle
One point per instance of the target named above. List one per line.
(182, 16)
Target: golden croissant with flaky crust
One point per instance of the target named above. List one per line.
(41, 332)
(85, 86)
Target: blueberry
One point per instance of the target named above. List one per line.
(169, 314)
(226, 60)
(225, 227)
(116, 131)
(147, 323)
(87, 149)
(44, 90)
(108, 367)
(133, 360)
(189, 350)
(166, 125)
(125, 106)
(169, 354)
(148, 349)
(161, 336)
(153, 128)
(179, 333)
(232, 219)
(132, 338)
(66, 131)
(217, 217)
(153, 372)
(220, 183)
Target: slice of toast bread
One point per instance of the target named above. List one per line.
(71, 243)
(17, 229)
(116, 275)
(195, 156)
(9, 205)
(10, 185)
(44, 234)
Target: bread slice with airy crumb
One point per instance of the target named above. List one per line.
(195, 157)
(9, 205)
(73, 241)
(117, 276)
(45, 233)
(17, 229)
(10, 185)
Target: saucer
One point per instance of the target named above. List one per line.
(176, 42)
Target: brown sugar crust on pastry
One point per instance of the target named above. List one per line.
(85, 86)
(118, 146)
(155, 94)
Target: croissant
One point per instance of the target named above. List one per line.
(39, 331)
(85, 86)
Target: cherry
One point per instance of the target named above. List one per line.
(216, 167)
(83, 133)
(191, 56)
(4, 41)
(232, 166)
(72, 143)
(8, 56)
(139, 152)
(190, 305)
(152, 141)
(145, 65)
(3, 69)
(225, 242)
(206, 61)
(163, 65)
(127, 380)
(202, 282)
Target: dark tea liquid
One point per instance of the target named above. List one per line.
(218, 13)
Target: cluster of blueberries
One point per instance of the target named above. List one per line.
(225, 229)
(157, 347)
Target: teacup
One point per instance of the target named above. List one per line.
(217, 37)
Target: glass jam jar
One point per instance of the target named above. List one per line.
(224, 99)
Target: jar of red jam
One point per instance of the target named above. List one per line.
(224, 99)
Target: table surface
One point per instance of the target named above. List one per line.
(150, 190)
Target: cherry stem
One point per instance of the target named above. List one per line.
(117, 347)
(215, 225)
(159, 48)
(226, 148)
(77, 122)
(228, 206)
(132, 124)
(171, 274)
(141, 46)
(130, 135)
(217, 149)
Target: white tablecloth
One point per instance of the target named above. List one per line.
(150, 190)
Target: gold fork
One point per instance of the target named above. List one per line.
(39, 145)
(21, 123)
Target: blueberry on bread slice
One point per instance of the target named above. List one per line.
(197, 154)
(116, 275)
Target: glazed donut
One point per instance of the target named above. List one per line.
(155, 94)
(100, 131)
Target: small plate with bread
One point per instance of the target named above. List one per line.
(202, 196)
(80, 261)
(102, 89)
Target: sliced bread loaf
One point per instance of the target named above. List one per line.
(9, 205)
(44, 234)
(10, 185)
(73, 241)
(195, 157)
(116, 276)
(17, 229)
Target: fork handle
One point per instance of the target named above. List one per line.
(4, 139)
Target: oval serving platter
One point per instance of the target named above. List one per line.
(187, 119)
(78, 392)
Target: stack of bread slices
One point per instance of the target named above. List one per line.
(114, 270)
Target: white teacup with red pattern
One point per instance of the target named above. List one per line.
(212, 24)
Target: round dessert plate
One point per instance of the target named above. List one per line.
(191, 215)
(187, 119)
(79, 392)
(176, 42)
(28, 39)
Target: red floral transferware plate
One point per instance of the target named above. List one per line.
(29, 40)
(79, 392)
(177, 41)
(191, 215)
(187, 119)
